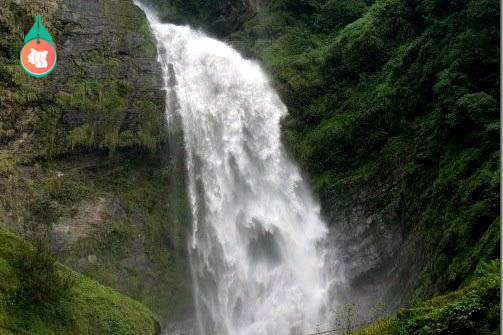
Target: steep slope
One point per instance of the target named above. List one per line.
(394, 115)
(88, 146)
(398, 111)
(92, 308)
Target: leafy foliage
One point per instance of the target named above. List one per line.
(402, 97)
(398, 93)
(42, 289)
(473, 309)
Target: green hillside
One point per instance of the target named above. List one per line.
(81, 306)
(404, 98)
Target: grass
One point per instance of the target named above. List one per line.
(92, 308)
(381, 327)
(127, 212)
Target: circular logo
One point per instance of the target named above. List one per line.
(38, 60)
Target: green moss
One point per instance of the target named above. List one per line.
(81, 136)
(107, 312)
(92, 148)
(473, 309)
(146, 191)
(139, 215)
(93, 309)
(128, 213)
(103, 103)
(398, 99)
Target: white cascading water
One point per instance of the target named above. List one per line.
(256, 250)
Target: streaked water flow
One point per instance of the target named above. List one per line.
(256, 252)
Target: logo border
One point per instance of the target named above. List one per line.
(43, 74)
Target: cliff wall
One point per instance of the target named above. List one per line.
(89, 144)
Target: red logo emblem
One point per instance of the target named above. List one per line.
(38, 56)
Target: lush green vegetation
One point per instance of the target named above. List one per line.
(398, 93)
(400, 99)
(85, 159)
(141, 250)
(473, 309)
(85, 307)
(122, 220)
(100, 107)
(406, 97)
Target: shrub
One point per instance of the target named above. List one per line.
(43, 290)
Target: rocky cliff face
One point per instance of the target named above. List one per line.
(108, 42)
(393, 113)
(90, 143)
(107, 53)
(220, 18)
(379, 261)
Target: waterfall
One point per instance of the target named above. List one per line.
(257, 249)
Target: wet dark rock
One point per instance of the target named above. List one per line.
(379, 261)
(183, 327)
(94, 32)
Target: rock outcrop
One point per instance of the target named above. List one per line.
(103, 46)
(88, 145)
(378, 261)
